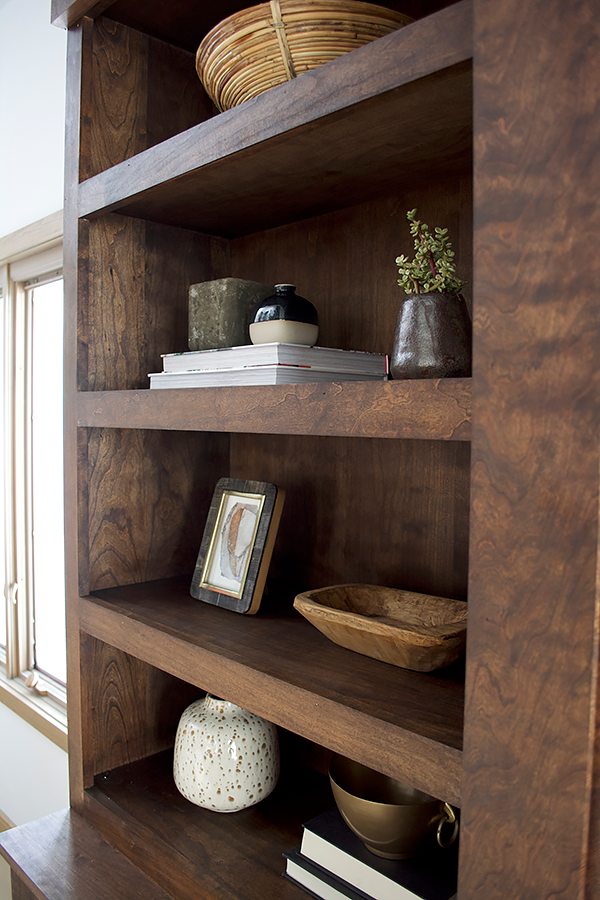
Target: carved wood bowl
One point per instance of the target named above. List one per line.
(413, 631)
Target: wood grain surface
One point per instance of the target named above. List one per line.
(291, 176)
(63, 857)
(371, 511)
(130, 709)
(278, 666)
(421, 410)
(148, 496)
(133, 286)
(75, 528)
(19, 890)
(532, 645)
(128, 97)
(194, 852)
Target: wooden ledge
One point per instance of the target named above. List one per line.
(63, 857)
(422, 410)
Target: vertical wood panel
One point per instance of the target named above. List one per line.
(380, 512)
(532, 607)
(149, 496)
(131, 709)
(19, 891)
(134, 303)
(113, 125)
(139, 92)
(75, 68)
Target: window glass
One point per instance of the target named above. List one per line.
(3, 498)
(47, 480)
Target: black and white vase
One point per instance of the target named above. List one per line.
(285, 318)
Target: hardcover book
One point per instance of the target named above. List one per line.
(330, 843)
(324, 358)
(318, 881)
(271, 374)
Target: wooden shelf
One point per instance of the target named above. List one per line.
(404, 723)
(426, 410)
(63, 857)
(266, 162)
(193, 852)
(181, 23)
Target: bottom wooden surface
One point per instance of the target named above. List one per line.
(63, 857)
(141, 840)
(197, 853)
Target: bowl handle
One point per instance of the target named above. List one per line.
(447, 817)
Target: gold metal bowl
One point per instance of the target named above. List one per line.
(413, 631)
(391, 818)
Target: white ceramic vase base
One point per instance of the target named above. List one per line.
(284, 331)
(226, 758)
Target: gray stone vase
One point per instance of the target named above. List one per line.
(433, 337)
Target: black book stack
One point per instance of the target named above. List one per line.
(332, 863)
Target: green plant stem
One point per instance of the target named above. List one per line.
(431, 260)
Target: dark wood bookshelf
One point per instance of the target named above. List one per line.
(416, 108)
(483, 116)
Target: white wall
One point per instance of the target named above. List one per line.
(43, 783)
(32, 100)
(33, 770)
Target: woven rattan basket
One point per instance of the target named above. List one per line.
(258, 48)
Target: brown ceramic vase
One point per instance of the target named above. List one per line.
(433, 337)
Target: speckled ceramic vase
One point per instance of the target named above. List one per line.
(226, 758)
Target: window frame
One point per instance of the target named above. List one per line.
(28, 258)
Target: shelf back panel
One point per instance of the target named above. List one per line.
(370, 511)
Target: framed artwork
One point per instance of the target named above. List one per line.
(233, 561)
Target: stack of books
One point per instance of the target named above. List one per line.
(333, 864)
(267, 364)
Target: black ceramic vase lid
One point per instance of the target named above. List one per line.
(286, 304)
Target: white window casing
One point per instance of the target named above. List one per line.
(23, 266)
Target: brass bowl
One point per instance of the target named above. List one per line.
(414, 631)
(391, 818)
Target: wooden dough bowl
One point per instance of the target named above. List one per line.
(413, 631)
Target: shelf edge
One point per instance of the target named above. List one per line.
(66, 13)
(423, 410)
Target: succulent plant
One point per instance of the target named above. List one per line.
(432, 268)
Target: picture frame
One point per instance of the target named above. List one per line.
(237, 544)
